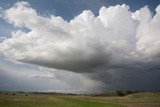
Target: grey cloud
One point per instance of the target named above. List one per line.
(24, 77)
(118, 47)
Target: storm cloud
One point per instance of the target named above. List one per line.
(118, 47)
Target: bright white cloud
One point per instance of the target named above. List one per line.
(84, 42)
(148, 34)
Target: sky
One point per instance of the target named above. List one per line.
(79, 46)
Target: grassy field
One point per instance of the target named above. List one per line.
(63, 100)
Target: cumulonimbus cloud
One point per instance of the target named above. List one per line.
(116, 39)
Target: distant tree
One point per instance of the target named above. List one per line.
(120, 93)
(129, 92)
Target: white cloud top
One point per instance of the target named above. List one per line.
(86, 41)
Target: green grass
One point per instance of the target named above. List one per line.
(143, 98)
(63, 100)
(47, 100)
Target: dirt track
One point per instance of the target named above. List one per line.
(142, 106)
